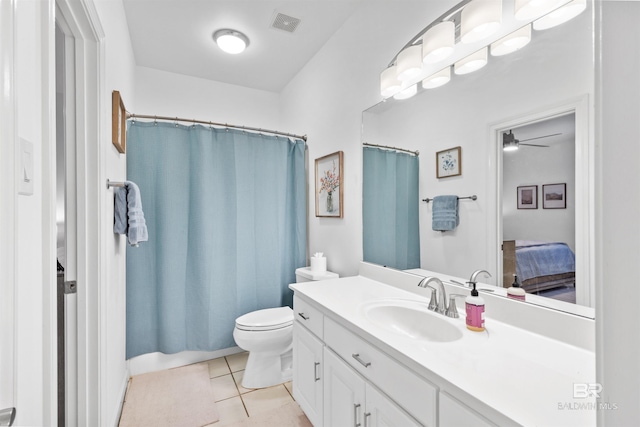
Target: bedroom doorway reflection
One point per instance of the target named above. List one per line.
(539, 206)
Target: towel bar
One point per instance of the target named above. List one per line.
(114, 184)
(474, 197)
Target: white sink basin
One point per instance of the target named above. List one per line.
(412, 319)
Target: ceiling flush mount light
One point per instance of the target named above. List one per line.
(438, 79)
(561, 15)
(231, 41)
(512, 42)
(471, 63)
(480, 19)
(438, 42)
(389, 83)
(409, 62)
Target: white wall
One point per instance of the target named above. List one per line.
(175, 95)
(119, 75)
(30, 291)
(618, 228)
(539, 166)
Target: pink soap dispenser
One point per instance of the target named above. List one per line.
(475, 311)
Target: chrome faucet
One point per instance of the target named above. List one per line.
(474, 276)
(441, 306)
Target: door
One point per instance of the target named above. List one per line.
(7, 216)
(344, 393)
(307, 373)
(382, 412)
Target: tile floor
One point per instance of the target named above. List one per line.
(236, 403)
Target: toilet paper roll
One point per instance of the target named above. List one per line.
(318, 264)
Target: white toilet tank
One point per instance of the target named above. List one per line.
(304, 274)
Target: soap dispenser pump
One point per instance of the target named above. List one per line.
(474, 306)
(515, 291)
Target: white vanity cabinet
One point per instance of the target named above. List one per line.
(454, 414)
(349, 400)
(307, 360)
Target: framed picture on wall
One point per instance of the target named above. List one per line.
(118, 122)
(329, 186)
(528, 197)
(449, 162)
(554, 196)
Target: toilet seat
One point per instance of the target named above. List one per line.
(266, 319)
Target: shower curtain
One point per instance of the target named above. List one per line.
(226, 216)
(391, 234)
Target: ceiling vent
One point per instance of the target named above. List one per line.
(285, 22)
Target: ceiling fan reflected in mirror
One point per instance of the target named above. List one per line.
(510, 143)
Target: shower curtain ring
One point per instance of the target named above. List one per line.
(176, 122)
(155, 121)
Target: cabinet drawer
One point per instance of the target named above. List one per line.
(414, 394)
(308, 316)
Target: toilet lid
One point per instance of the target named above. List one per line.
(266, 319)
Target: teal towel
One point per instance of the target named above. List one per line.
(444, 215)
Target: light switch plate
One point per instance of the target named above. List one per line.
(25, 168)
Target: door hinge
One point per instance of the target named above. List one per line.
(70, 287)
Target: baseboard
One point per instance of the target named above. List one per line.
(158, 361)
(123, 393)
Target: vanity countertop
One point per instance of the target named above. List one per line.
(528, 378)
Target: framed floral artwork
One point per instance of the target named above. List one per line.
(554, 196)
(528, 197)
(449, 162)
(329, 186)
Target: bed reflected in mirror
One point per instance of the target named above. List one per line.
(538, 208)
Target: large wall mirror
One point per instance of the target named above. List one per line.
(540, 95)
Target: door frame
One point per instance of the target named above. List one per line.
(8, 195)
(90, 112)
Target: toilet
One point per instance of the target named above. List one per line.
(267, 335)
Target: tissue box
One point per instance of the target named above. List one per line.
(318, 264)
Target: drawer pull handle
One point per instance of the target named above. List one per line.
(315, 371)
(355, 415)
(362, 362)
(303, 316)
(366, 418)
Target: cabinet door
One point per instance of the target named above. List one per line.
(307, 373)
(382, 412)
(454, 414)
(344, 393)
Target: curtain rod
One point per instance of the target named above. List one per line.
(226, 125)
(415, 153)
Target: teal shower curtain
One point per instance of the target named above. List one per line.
(226, 216)
(391, 234)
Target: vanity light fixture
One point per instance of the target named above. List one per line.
(512, 42)
(560, 15)
(406, 93)
(468, 26)
(480, 19)
(471, 63)
(389, 83)
(409, 62)
(438, 79)
(531, 9)
(231, 41)
(438, 42)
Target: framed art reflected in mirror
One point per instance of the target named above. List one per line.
(528, 197)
